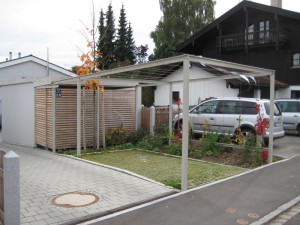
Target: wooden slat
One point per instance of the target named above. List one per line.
(119, 106)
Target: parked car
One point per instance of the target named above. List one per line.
(225, 115)
(290, 109)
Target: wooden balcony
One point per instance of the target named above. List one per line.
(253, 39)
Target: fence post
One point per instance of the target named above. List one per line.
(152, 119)
(11, 176)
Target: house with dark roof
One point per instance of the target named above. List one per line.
(257, 35)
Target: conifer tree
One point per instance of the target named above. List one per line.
(121, 42)
(108, 38)
(131, 48)
(100, 44)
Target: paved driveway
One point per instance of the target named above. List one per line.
(288, 146)
(45, 175)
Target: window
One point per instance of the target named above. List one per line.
(208, 107)
(296, 59)
(264, 35)
(175, 96)
(250, 34)
(295, 94)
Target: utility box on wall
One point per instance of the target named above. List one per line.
(119, 110)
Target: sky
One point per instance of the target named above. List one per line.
(40, 26)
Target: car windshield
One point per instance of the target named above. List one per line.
(276, 109)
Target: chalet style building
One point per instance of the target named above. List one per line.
(256, 35)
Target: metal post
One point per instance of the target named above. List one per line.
(185, 137)
(54, 119)
(170, 112)
(98, 118)
(78, 117)
(103, 121)
(271, 123)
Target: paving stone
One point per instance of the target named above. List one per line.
(45, 175)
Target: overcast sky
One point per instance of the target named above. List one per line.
(32, 26)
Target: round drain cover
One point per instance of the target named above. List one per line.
(75, 199)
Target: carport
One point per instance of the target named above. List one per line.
(157, 73)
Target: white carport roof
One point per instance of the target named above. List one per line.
(153, 73)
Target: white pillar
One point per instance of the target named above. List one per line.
(152, 119)
(98, 118)
(54, 119)
(12, 197)
(170, 112)
(138, 107)
(185, 132)
(271, 123)
(78, 117)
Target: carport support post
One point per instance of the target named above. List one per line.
(185, 134)
(170, 112)
(78, 117)
(54, 119)
(271, 123)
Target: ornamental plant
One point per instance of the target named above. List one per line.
(261, 125)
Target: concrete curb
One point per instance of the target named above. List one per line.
(281, 209)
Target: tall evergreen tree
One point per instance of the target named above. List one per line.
(108, 48)
(131, 56)
(100, 44)
(121, 42)
(181, 19)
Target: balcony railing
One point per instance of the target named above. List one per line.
(253, 39)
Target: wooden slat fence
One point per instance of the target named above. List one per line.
(119, 110)
(161, 116)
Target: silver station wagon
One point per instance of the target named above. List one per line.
(290, 109)
(225, 114)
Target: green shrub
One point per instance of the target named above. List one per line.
(116, 136)
(209, 145)
(136, 136)
(175, 149)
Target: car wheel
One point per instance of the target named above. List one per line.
(299, 129)
(178, 126)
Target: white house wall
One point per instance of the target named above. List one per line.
(18, 114)
(199, 90)
(286, 92)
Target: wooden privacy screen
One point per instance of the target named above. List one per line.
(119, 110)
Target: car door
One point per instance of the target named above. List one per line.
(290, 113)
(204, 116)
(227, 118)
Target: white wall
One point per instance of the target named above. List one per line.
(286, 92)
(198, 89)
(18, 114)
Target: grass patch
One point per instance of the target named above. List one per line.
(164, 169)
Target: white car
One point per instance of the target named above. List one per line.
(290, 109)
(224, 115)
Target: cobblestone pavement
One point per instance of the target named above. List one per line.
(45, 175)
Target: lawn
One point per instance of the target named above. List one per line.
(164, 169)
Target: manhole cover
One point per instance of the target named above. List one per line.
(75, 199)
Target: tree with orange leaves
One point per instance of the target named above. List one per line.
(89, 65)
